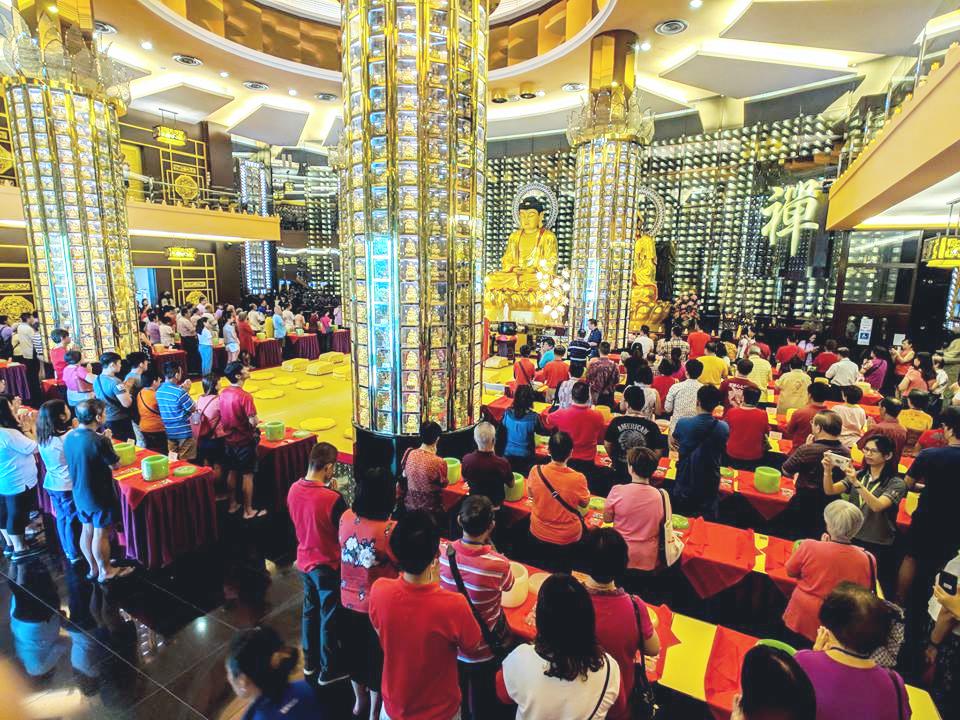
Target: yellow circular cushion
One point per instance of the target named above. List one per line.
(309, 385)
(316, 424)
(339, 376)
(268, 394)
(262, 375)
(251, 387)
(348, 434)
(282, 381)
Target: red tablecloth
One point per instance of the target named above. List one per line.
(716, 557)
(305, 346)
(498, 408)
(267, 352)
(341, 340)
(219, 357)
(162, 357)
(17, 385)
(53, 389)
(722, 679)
(281, 464)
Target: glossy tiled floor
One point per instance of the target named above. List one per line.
(152, 645)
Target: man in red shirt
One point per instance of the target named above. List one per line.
(697, 339)
(828, 357)
(788, 352)
(888, 425)
(524, 368)
(584, 425)
(238, 420)
(315, 508)
(732, 388)
(764, 347)
(58, 354)
(422, 628)
(486, 574)
(749, 427)
(800, 424)
(554, 372)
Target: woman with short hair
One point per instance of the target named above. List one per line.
(565, 673)
(18, 477)
(821, 565)
(53, 423)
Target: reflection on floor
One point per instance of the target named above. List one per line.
(153, 645)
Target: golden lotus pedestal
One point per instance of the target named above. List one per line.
(647, 309)
(519, 306)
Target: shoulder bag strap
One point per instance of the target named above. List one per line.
(493, 642)
(896, 688)
(203, 411)
(556, 496)
(662, 546)
(873, 571)
(110, 397)
(523, 369)
(603, 693)
(636, 615)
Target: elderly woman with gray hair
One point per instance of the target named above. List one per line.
(821, 565)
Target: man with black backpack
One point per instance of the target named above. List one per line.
(115, 395)
(483, 575)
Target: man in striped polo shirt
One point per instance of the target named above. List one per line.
(486, 573)
(175, 405)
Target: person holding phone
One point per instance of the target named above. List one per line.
(943, 647)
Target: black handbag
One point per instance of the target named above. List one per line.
(643, 699)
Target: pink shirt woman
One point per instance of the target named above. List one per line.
(636, 511)
(875, 372)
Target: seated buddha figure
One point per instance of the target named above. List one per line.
(646, 308)
(529, 264)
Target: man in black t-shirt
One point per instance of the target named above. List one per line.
(631, 430)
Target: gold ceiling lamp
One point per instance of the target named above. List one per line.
(414, 155)
(63, 97)
(609, 133)
(943, 251)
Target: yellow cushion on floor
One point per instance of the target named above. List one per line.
(282, 381)
(334, 357)
(268, 394)
(320, 367)
(295, 365)
(496, 362)
(317, 424)
(262, 375)
(339, 375)
(309, 385)
(348, 434)
(251, 387)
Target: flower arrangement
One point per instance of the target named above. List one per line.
(686, 307)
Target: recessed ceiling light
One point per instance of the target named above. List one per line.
(255, 85)
(104, 28)
(671, 27)
(645, 46)
(53, 9)
(146, 45)
(573, 87)
(188, 60)
(696, 4)
(224, 74)
(292, 92)
(541, 92)
(325, 96)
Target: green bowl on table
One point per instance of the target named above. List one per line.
(726, 472)
(261, 336)
(541, 439)
(155, 468)
(597, 503)
(127, 452)
(274, 430)
(776, 644)
(796, 546)
(298, 332)
(453, 470)
(680, 522)
(767, 480)
(515, 493)
(184, 471)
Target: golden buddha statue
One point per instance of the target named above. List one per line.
(645, 306)
(528, 266)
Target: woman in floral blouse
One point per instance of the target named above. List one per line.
(364, 558)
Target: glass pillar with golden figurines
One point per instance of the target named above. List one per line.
(64, 98)
(609, 133)
(412, 159)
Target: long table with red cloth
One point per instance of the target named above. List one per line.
(165, 519)
(17, 383)
(53, 389)
(267, 352)
(162, 357)
(305, 346)
(280, 464)
(341, 340)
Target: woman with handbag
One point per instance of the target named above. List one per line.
(565, 673)
(623, 623)
(209, 433)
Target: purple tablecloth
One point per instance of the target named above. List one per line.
(162, 357)
(17, 385)
(305, 346)
(281, 464)
(268, 353)
(341, 340)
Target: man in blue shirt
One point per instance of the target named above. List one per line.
(175, 406)
(594, 338)
(280, 329)
(578, 351)
(547, 345)
(700, 442)
(115, 395)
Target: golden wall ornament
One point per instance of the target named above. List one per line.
(63, 98)
(13, 306)
(412, 208)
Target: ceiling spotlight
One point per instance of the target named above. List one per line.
(696, 4)
(146, 45)
(224, 74)
(645, 46)
(188, 60)
(671, 27)
(499, 97)
(541, 92)
(291, 92)
(325, 96)
(255, 85)
(528, 91)
(573, 87)
(104, 28)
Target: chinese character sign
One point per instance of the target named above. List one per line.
(790, 211)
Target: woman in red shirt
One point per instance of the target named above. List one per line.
(903, 357)
(524, 368)
(365, 557)
(245, 333)
(665, 379)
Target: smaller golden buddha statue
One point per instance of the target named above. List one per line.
(646, 308)
(529, 265)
